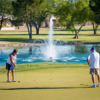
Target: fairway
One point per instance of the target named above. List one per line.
(50, 84)
(85, 35)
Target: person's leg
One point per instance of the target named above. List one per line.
(8, 74)
(93, 78)
(12, 74)
(98, 76)
(92, 72)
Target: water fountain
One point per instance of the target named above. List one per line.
(50, 50)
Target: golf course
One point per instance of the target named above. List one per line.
(49, 49)
(49, 81)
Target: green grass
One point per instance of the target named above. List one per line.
(86, 35)
(50, 82)
(37, 66)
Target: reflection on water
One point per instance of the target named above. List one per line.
(81, 49)
(68, 54)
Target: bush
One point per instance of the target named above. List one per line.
(2, 25)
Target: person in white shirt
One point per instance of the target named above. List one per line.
(94, 65)
(10, 64)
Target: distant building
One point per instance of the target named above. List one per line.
(47, 21)
(54, 21)
(7, 25)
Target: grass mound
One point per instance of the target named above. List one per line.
(37, 66)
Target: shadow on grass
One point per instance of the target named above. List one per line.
(43, 88)
(89, 29)
(83, 29)
(13, 34)
(19, 40)
(32, 34)
(77, 30)
(3, 82)
(81, 34)
(14, 40)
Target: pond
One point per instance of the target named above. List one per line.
(67, 54)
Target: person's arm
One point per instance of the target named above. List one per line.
(88, 61)
(11, 59)
(15, 63)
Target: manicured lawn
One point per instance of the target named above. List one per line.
(49, 82)
(86, 35)
(37, 66)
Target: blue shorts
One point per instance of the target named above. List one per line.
(9, 67)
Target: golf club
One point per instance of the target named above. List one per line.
(17, 76)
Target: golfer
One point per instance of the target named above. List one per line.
(94, 65)
(10, 64)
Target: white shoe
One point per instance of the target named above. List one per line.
(8, 81)
(93, 85)
(13, 80)
(98, 85)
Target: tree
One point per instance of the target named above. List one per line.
(95, 27)
(16, 22)
(41, 13)
(75, 12)
(95, 7)
(26, 11)
(5, 10)
(32, 12)
(46, 8)
(80, 15)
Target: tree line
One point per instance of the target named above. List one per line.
(68, 13)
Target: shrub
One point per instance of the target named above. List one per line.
(2, 25)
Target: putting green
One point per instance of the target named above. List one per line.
(50, 84)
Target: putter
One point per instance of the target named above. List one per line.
(17, 76)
